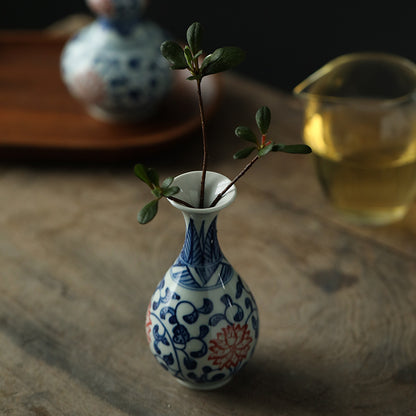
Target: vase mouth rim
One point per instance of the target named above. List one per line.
(189, 184)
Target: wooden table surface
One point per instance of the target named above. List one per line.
(337, 302)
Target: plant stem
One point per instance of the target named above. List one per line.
(246, 168)
(204, 144)
(180, 201)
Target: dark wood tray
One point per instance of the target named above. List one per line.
(38, 117)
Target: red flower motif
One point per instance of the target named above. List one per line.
(104, 7)
(89, 87)
(231, 346)
(148, 325)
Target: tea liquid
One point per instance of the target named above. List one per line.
(369, 175)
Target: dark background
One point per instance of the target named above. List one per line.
(284, 41)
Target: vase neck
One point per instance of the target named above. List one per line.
(200, 221)
(201, 264)
(124, 27)
(201, 246)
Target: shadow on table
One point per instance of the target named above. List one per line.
(270, 387)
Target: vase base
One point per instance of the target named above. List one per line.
(204, 386)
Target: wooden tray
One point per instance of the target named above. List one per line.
(38, 117)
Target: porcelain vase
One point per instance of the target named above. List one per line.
(202, 321)
(114, 66)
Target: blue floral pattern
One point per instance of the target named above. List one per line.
(114, 66)
(202, 320)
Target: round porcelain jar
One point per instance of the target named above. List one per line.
(114, 65)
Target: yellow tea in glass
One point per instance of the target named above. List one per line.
(360, 121)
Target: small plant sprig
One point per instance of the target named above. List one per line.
(151, 178)
(190, 58)
(220, 60)
(261, 146)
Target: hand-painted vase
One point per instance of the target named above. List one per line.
(114, 65)
(202, 322)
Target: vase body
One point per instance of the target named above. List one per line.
(202, 321)
(114, 65)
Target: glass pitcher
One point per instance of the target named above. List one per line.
(360, 121)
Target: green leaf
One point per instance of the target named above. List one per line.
(148, 212)
(141, 172)
(292, 148)
(194, 37)
(171, 191)
(153, 176)
(222, 59)
(242, 154)
(167, 182)
(266, 149)
(263, 117)
(188, 56)
(245, 133)
(173, 52)
(277, 147)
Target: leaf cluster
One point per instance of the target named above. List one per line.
(262, 145)
(189, 57)
(151, 178)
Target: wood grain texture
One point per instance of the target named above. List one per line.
(337, 302)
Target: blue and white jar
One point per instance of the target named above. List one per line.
(202, 322)
(114, 65)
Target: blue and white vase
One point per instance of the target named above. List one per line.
(202, 322)
(114, 65)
